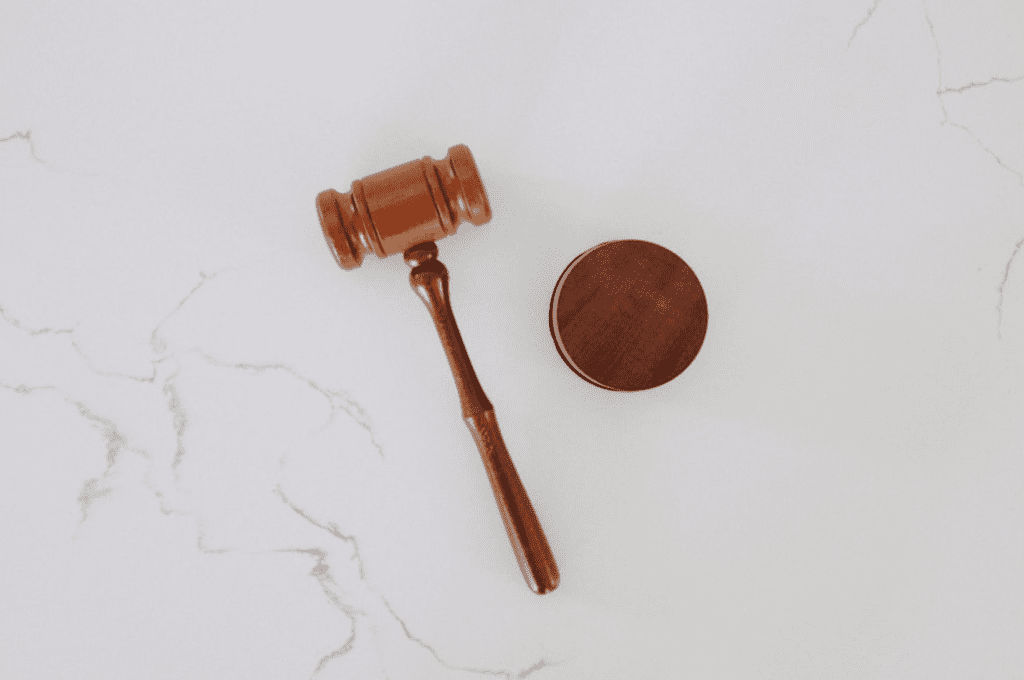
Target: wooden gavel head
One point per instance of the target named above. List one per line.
(391, 211)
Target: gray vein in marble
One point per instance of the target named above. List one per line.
(340, 651)
(115, 444)
(27, 136)
(159, 495)
(938, 61)
(338, 400)
(29, 389)
(466, 669)
(32, 331)
(180, 419)
(534, 668)
(157, 343)
(93, 489)
(201, 541)
(1007, 268)
(1002, 286)
(113, 374)
(865, 20)
(323, 575)
(973, 85)
(90, 493)
(321, 571)
(330, 528)
(942, 91)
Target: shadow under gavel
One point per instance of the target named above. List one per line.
(404, 210)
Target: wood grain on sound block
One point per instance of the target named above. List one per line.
(628, 315)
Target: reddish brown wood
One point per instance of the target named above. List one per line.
(405, 209)
(628, 315)
(429, 278)
(390, 211)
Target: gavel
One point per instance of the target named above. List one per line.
(405, 210)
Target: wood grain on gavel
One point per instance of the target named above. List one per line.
(405, 209)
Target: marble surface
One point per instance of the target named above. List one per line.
(223, 457)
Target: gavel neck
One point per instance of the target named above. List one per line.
(421, 254)
(429, 278)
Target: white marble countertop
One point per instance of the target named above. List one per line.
(224, 457)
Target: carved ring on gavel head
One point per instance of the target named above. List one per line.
(404, 210)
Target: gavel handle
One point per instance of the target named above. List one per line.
(429, 278)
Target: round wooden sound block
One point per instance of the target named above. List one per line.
(628, 315)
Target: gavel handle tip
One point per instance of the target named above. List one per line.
(529, 543)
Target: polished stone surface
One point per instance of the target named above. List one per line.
(216, 462)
